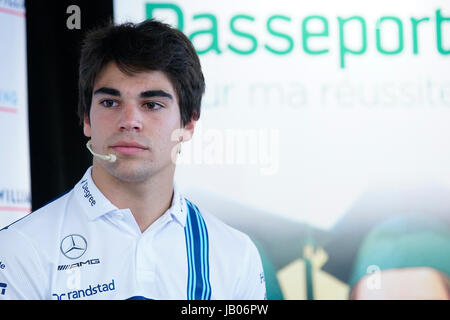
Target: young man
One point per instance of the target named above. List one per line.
(125, 230)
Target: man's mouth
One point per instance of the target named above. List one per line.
(128, 147)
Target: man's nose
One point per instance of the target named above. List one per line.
(130, 117)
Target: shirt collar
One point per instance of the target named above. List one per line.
(178, 209)
(95, 204)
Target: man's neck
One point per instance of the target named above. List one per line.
(147, 200)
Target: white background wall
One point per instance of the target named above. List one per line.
(299, 135)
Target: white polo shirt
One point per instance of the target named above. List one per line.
(80, 246)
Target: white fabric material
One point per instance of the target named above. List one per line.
(80, 246)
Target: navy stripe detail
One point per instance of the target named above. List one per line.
(138, 298)
(206, 290)
(197, 248)
(198, 252)
(189, 248)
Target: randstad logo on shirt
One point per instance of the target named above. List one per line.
(92, 290)
(87, 193)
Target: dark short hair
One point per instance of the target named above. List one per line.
(149, 45)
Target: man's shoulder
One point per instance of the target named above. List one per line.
(236, 261)
(40, 221)
(223, 233)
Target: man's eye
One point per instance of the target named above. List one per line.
(108, 103)
(153, 105)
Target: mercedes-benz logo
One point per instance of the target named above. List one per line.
(73, 246)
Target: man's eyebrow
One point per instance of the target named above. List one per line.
(155, 93)
(110, 91)
(144, 94)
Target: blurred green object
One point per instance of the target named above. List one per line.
(273, 288)
(404, 241)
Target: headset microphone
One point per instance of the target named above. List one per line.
(110, 157)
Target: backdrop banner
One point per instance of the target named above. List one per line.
(15, 184)
(309, 104)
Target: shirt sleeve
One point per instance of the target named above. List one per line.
(252, 284)
(21, 273)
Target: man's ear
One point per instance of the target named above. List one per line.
(188, 130)
(86, 126)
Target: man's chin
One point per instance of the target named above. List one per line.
(127, 171)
